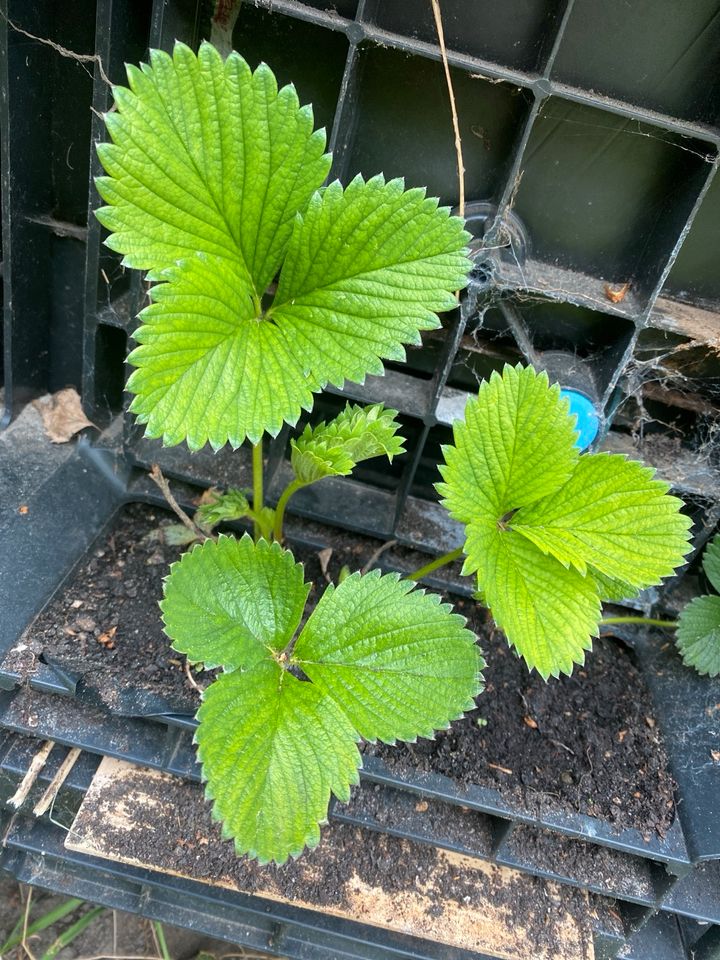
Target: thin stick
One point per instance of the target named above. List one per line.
(156, 475)
(257, 468)
(648, 621)
(23, 942)
(63, 51)
(191, 678)
(374, 557)
(456, 123)
(435, 564)
(48, 798)
(26, 784)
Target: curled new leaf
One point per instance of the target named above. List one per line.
(378, 659)
(335, 448)
(549, 533)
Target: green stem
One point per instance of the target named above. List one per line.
(42, 923)
(257, 469)
(648, 621)
(435, 564)
(289, 490)
(72, 933)
(162, 942)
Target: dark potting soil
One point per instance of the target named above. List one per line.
(160, 821)
(587, 743)
(472, 832)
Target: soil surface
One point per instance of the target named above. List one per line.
(585, 744)
(588, 743)
(472, 832)
(153, 819)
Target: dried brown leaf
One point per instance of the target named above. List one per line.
(62, 415)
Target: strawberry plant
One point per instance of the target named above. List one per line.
(268, 286)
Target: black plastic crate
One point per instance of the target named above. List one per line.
(582, 178)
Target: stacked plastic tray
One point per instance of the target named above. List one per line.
(590, 141)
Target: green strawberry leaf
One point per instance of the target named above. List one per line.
(382, 660)
(698, 635)
(610, 589)
(611, 515)
(548, 532)
(516, 445)
(207, 157)
(221, 507)
(272, 751)
(367, 268)
(549, 613)
(335, 448)
(231, 603)
(207, 369)
(711, 562)
(399, 662)
(213, 178)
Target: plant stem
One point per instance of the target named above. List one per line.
(162, 942)
(66, 938)
(257, 469)
(435, 564)
(289, 490)
(648, 621)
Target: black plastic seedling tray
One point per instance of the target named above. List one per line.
(35, 853)
(56, 707)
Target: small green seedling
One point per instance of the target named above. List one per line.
(267, 287)
(698, 632)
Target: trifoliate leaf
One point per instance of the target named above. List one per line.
(611, 515)
(272, 750)
(335, 448)
(399, 663)
(211, 175)
(711, 562)
(211, 157)
(207, 369)
(231, 602)
(549, 532)
(698, 635)
(221, 507)
(516, 445)
(382, 660)
(367, 268)
(548, 613)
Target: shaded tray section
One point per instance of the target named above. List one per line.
(101, 635)
(150, 819)
(531, 849)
